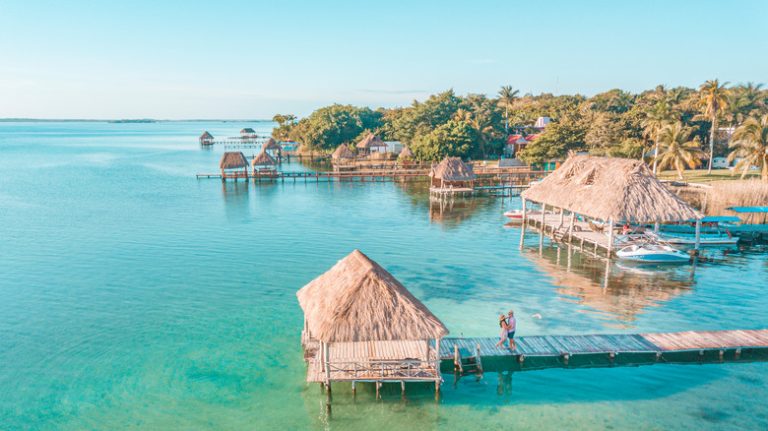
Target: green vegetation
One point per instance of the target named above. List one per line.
(750, 144)
(613, 123)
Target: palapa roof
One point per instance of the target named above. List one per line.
(358, 300)
(406, 153)
(452, 169)
(247, 130)
(233, 160)
(206, 135)
(610, 188)
(263, 159)
(342, 152)
(271, 144)
(370, 141)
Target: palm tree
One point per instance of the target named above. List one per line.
(678, 150)
(713, 98)
(653, 123)
(507, 97)
(750, 144)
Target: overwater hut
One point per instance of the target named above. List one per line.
(273, 149)
(233, 165)
(612, 190)
(371, 144)
(342, 154)
(405, 157)
(263, 165)
(362, 324)
(451, 175)
(247, 132)
(206, 138)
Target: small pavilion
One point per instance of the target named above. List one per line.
(233, 165)
(371, 144)
(362, 325)
(273, 148)
(263, 165)
(607, 189)
(342, 154)
(206, 138)
(451, 176)
(247, 132)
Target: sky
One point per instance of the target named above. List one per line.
(251, 59)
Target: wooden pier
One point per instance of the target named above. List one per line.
(537, 352)
(577, 232)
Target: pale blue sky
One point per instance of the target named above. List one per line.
(248, 59)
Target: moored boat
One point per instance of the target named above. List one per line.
(652, 253)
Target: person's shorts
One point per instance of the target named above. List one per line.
(511, 335)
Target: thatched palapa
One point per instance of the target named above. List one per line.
(358, 300)
(608, 188)
(233, 160)
(271, 144)
(406, 153)
(371, 143)
(343, 152)
(206, 138)
(263, 159)
(452, 169)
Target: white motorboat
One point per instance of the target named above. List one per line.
(652, 253)
(517, 215)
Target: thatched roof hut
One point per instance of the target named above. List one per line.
(233, 160)
(263, 159)
(206, 138)
(271, 144)
(342, 152)
(452, 169)
(371, 143)
(406, 153)
(609, 188)
(247, 131)
(358, 300)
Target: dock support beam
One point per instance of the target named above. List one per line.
(543, 226)
(525, 221)
(610, 237)
(698, 234)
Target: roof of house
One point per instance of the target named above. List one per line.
(233, 160)
(406, 153)
(342, 152)
(370, 141)
(271, 144)
(247, 130)
(206, 135)
(263, 159)
(452, 169)
(358, 300)
(610, 188)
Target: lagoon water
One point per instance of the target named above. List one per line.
(134, 296)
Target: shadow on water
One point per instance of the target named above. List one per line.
(612, 290)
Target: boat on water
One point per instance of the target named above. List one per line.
(652, 253)
(517, 215)
(709, 225)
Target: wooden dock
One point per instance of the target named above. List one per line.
(556, 226)
(536, 352)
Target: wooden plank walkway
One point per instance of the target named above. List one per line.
(583, 236)
(557, 346)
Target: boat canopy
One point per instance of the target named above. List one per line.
(720, 219)
(749, 209)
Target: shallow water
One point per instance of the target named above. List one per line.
(134, 296)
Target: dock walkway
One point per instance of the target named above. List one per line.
(719, 345)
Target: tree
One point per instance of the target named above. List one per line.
(678, 150)
(453, 138)
(606, 130)
(750, 144)
(713, 98)
(329, 127)
(653, 123)
(507, 97)
(556, 141)
(285, 123)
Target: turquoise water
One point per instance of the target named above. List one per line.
(133, 296)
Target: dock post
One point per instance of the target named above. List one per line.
(610, 237)
(698, 234)
(570, 228)
(402, 388)
(541, 235)
(378, 390)
(354, 388)
(525, 221)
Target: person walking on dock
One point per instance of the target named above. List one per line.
(511, 324)
(503, 326)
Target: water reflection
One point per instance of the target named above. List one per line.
(613, 291)
(236, 196)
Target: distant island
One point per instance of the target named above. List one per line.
(140, 120)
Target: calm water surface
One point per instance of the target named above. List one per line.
(133, 296)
